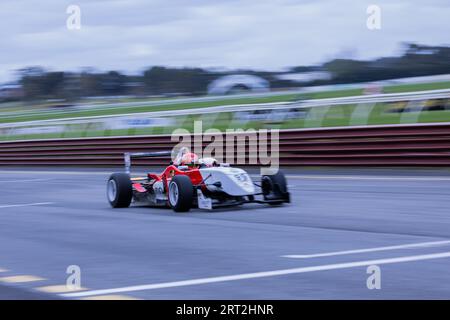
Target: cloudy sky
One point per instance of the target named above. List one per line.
(129, 35)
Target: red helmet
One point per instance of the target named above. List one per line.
(189, 159)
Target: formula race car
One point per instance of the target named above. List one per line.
(190, 182)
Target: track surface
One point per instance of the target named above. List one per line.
(50, 219)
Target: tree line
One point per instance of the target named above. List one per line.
(40, 84)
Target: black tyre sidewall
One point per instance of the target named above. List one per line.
(278, 182)
(185, 193)
(124, 193)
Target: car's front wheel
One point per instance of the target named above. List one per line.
(274, 188)
(119, 190)
(181, 193)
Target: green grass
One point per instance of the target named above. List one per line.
(417, 87)
(332, 94)
(15, 115)
(336, 116)
(342, 116)
(138, 109)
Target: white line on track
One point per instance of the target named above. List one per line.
(289, 176)
(25, 205)
(398, 247)
(393, 178)
(56, 172)
(347, 177)
(258, 275)
(24, 180)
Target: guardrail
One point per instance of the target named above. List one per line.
(307, 113)
(373, 98)
(388, 145)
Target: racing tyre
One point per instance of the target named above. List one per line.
(274, 188)
(119, 190)
(181, 193)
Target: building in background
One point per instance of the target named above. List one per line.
(237, 83)
(10, 92)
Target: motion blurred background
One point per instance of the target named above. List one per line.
(85, 59)
(362, 86)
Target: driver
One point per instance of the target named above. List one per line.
(190, 160)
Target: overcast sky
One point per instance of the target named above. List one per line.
(130, 35)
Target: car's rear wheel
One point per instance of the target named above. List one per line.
(274, 188)
(181, 193)
(119, 190)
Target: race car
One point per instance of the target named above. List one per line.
(192, 182)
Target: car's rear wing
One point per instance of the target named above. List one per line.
(128, 156)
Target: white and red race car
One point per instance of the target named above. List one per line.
(202, 183)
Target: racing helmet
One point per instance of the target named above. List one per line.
(189, 159)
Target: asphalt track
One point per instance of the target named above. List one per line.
(341, 221)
